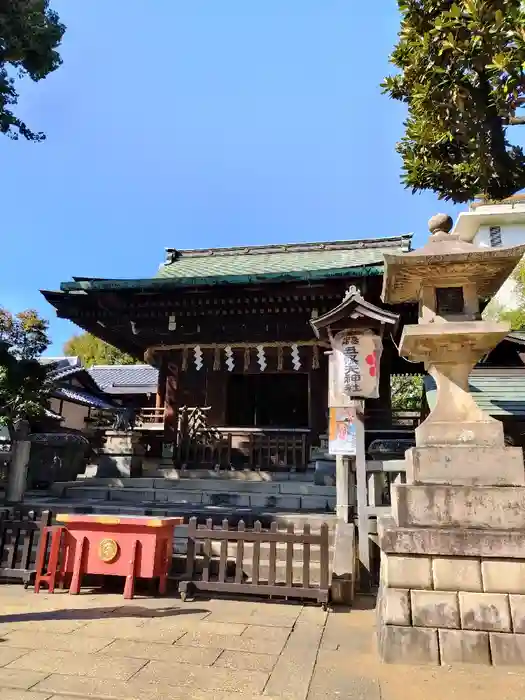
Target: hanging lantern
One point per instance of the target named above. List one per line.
(354, 367)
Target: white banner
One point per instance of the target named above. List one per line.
(354, 367)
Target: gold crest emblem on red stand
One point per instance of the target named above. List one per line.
(108, 550)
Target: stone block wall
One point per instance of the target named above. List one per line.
(434, 609)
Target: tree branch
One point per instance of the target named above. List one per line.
(514, 121)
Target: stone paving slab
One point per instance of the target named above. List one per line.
(198, 656)
(241, 661)
(244, 643)
(11, 678)
(73, 664)
(59, 642)
(82, 687)
(212, 679)
(97, 646)
(188, 623)
(14, 694)
(8, 654)
(293, 670)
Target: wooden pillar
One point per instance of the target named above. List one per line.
(160, 396)
(171, 413)
(318, 398)
(342, 487)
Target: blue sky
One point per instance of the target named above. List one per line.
(196, 123)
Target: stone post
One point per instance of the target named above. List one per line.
(17, 472)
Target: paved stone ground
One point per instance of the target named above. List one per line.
(96, 645)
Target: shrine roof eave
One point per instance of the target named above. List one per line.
(83, 285)
(404, 273)
(353, 309)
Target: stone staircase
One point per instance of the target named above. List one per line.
(287, 498)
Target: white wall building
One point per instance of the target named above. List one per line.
(493, 225)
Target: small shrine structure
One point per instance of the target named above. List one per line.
(453, 551)
(355, 329)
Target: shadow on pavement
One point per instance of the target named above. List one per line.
(98, 613)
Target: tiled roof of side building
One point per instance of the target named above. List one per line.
(499, 392)
(247, 264)
(125, 379)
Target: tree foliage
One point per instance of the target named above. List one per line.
(23, 385)
(93, 351)
(30, 33)
(515, 316)
(462, 77)
(406, 392)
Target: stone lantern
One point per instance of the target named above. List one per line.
(453, 551)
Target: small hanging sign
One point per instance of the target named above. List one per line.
(354, 367)
(341, 432)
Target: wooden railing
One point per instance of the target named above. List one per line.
(20, 530)
(373, 499)
(253, 448)
(243, 572)
(147, 417)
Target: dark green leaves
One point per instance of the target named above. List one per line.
(30, 34)
(23, 380)
(462, 76)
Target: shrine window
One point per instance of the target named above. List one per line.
(449, 301)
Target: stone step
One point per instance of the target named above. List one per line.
(250, 475)
(217, 513)
(316, 499)
(199, 484)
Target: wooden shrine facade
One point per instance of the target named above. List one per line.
(243, 377)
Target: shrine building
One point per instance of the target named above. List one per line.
(242, 366)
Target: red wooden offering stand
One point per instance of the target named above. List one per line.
(129, 546)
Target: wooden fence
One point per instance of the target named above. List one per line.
(20, 530)
(240, 572)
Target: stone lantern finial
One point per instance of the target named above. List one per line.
(440, 225)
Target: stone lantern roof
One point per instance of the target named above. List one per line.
(446, 259)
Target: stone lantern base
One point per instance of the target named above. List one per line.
(121, 456)
(453, 559)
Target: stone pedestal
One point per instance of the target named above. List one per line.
(121, 455)
(453, 558)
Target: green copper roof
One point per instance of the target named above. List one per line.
(251, 264)
(499, 392)
(278, 260)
